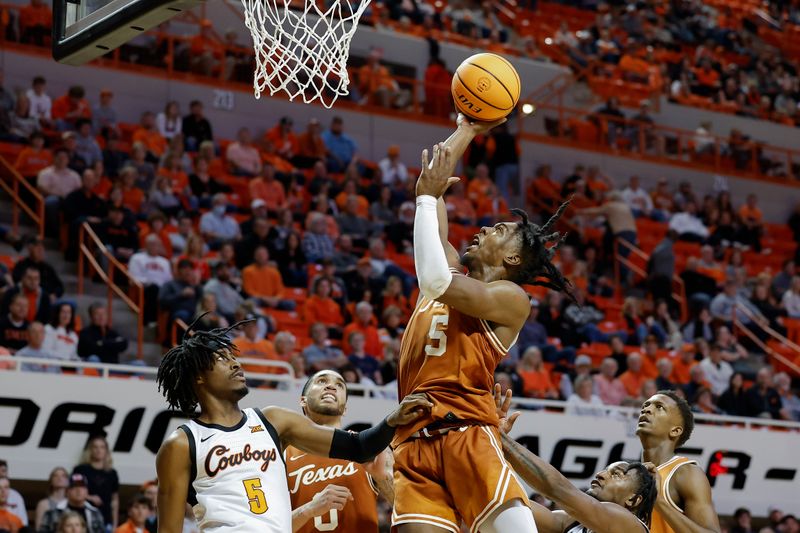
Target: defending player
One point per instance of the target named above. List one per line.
(619, 500)
(330, 494)
(227, 462)
(684, 501)
(449, 465)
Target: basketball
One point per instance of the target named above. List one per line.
(485, 87)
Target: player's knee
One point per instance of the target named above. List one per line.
(513, 516)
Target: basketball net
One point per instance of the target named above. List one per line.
(302, 52)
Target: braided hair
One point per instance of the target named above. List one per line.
(183, 364)
(647, 490)
(537, 267)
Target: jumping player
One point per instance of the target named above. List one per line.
(330, 494)
(228, 462)
(449, 465)
(684, 495)
(619, 500)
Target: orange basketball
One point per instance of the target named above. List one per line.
(485, 87)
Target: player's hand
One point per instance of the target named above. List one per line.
(477, 127)
(502, 403)
(437, 174)
(656, 477)
(413, 407)
(331, 497)
(380, 467)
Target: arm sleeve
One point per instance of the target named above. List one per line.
(363, 446)
(430, 261)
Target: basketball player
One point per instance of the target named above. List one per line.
(619, 500)
(330, 494)
(227, 462)
(684, 495)
(449, 464)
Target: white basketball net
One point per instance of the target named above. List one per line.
(303, 53)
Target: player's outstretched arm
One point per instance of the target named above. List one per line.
(698, 509)
(596, 516)
(299, 431)
(500, 302)
(172, 466)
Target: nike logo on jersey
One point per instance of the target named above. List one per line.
(296, 457)
(206, 438)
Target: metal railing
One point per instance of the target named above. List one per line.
(106, 370)
(678, 287)
(12, 183)
(743, 329)
(90, 247)
(662, 144)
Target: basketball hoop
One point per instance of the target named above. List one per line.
(303, 53)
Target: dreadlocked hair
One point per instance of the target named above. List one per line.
(537, 267)
(647, 490)
(687, 416)
(181, 366)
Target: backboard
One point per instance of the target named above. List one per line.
(86, 29)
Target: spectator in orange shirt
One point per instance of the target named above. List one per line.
(268, 189)
(491, 207)
(438, 101)
(35, 22)
(320, 307)
(310, 146)
(633, 378)
(351, 189)
(682, 365)
(710, 267)
(479, 185)
(283, 139)
(376, 85)
(35, 157)
(262, 281)
(71, 107)
(207, 53)
(132, 196)
(543, 188)
(459, 208)
(149, 136)
(139, 510)
(536, 381)
(251, 344)
(707, 79)
(8, 520)
(650, 356)
(752, 222)
(364, 323)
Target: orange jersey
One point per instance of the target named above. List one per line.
(451, 357)
(657, 522)
(309, 474)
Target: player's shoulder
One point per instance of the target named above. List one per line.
(688, 474)
(176, 441)
(175, 451)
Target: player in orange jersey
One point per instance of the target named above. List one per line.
(449, 465)
(684, 495)
(619, 500)
(332, 494)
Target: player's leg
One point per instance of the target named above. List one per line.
(421, 502)
(511, 516)
(484, 487)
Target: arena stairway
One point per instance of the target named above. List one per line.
(124, 320)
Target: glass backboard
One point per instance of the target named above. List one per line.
(86, 29)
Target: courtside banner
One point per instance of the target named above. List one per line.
(45, 420)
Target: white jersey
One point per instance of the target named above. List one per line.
(575, 527)
(238, 476)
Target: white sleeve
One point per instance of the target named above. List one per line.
(433, 272)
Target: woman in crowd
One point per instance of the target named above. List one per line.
(60, 340)
(57, 485)
(97, 466)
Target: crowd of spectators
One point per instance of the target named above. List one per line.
(85, 500)
(302, 234)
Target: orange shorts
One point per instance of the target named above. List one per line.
(461, 475)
